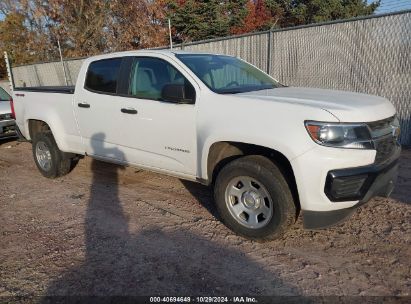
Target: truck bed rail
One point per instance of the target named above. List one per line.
(48, 89)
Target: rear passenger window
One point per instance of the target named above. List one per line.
(102, 75)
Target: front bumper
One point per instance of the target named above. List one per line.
(372, 180)
(7, 128)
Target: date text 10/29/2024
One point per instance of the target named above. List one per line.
(203, 300)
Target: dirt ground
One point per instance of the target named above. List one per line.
(108, 230)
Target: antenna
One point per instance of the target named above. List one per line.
(169, 32)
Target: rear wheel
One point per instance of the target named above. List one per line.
(253, 198)
(50, 161)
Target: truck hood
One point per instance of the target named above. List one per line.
(5, 107)
(345, 106)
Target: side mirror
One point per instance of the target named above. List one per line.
(178, 93)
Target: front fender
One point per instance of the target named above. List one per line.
(279, 146)
(274, 125)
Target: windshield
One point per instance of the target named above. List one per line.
(3, 95)
(226, 74)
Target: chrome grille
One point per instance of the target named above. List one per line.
(384, 141)
(385, 146)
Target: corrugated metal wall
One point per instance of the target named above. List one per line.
(368, 55)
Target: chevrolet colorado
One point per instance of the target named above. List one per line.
(270, 152)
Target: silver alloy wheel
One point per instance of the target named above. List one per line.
(43, 156)
(249, 202)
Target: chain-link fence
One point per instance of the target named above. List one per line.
(47, 73)
(369, 55)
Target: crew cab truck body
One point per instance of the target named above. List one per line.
(268, 150)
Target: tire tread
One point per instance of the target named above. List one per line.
(61, 165)
(267, 169)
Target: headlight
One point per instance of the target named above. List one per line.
(340, 135)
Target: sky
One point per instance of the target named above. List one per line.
(386, 6)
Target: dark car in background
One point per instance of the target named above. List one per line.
(7, 122)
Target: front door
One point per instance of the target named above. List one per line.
(159, 134)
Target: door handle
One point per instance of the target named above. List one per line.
(83, 105)
(129, 111)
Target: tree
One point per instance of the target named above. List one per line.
(24, 33)
(258, 18)
(14, 37)
(87, 27)
(84, 27)
(198, 20)
(79, 25)
(300, 12)
(136, 25)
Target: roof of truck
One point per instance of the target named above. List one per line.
(166, 52)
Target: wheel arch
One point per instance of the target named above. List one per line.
(36, 126)
(223, 152)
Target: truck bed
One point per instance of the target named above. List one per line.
(54, 106)
(48, 89)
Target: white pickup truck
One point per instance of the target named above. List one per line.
(270, 152)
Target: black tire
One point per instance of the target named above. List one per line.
(59, 164)
(267, 174)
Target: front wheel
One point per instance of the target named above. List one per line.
(254, 199)
(48, 158)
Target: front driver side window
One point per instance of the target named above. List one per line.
(150, 75)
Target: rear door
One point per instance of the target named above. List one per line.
(97, 107)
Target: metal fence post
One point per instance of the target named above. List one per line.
(270, 35)
(62, 63)
(37, 75)
(68, 73)
(9, 71)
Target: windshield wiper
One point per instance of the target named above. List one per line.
(231, 92)
(247, 89)
(265, 89)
